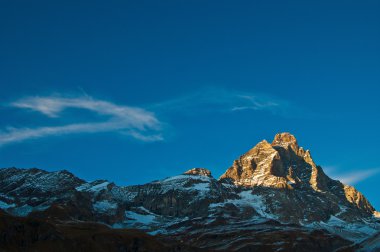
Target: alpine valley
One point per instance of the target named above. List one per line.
(273, 198)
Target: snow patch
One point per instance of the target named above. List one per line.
(201, 187)
(99, 187)
(26, 209)
(4, 205)
(93, 188)
(356, 232)
(335, 221)
(186, 183)
(249, 199)
(145, 219)
(104, 206)
(186, 177)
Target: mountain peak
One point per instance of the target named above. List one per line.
(264, 144)
(281, 164)
(198, 171)
(285, 140)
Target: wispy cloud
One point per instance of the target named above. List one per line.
(227, 101)
(351, 177)
(357, 176)
(136, 122)
(140, 123)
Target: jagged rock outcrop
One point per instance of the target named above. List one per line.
(260, 166)
(293, 185)
(281, 164)
(377, 214)
(198, 171)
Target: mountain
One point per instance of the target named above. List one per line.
(293, 186)
(273, 197)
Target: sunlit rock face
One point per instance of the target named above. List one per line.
(281, 164)
(260, 166)
(293, 185)
(376, 214)
(198, 171)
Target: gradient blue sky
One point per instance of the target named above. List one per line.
(133, 91)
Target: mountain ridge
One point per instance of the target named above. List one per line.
(274, 188)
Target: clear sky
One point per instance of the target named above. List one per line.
(133, 91)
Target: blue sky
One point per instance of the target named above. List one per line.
(134, 91)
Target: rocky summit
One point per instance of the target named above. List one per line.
(273, 198)
(293, 186)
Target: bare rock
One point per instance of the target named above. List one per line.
(199, 171)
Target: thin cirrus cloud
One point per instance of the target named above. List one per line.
(358, 176)
(136, 122)
(352, 177)
(222, 100)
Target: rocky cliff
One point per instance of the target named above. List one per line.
(293, 185)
